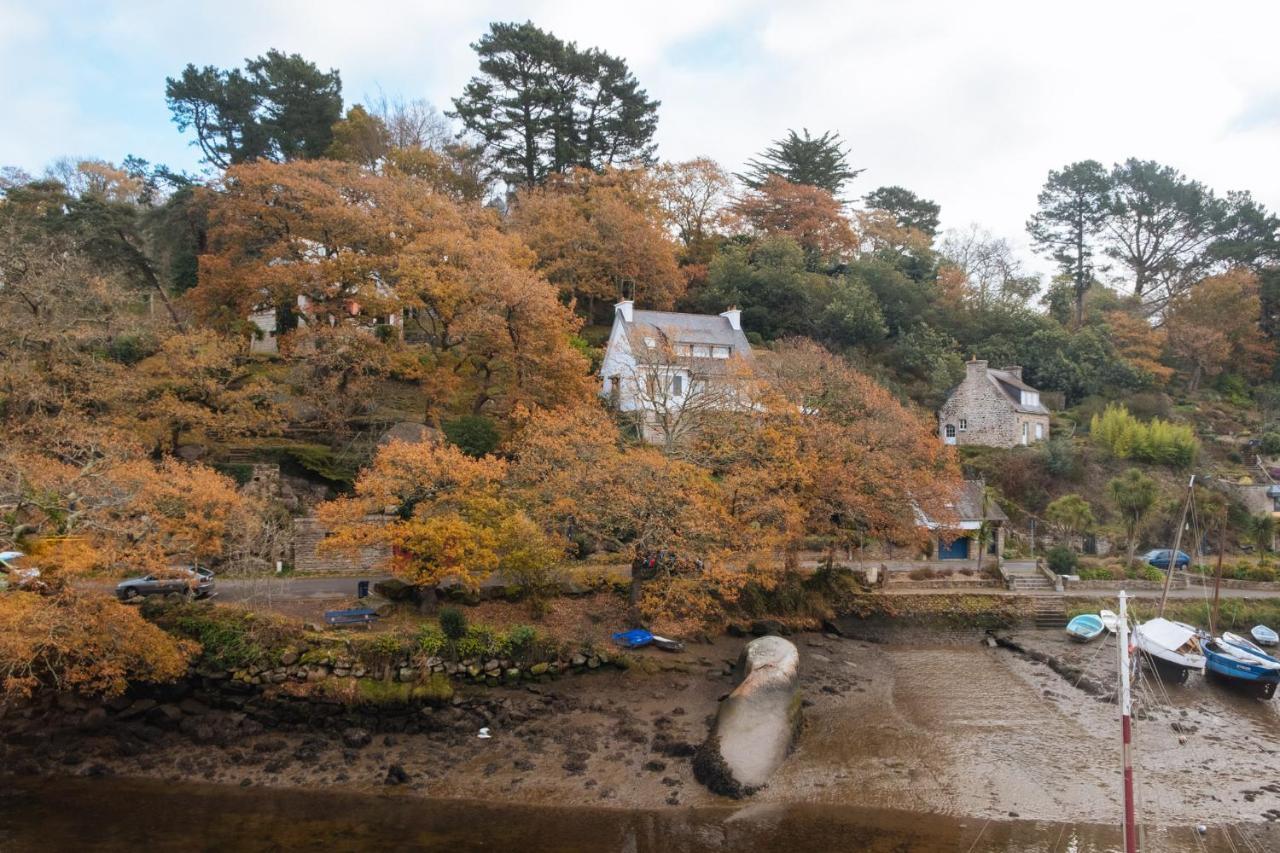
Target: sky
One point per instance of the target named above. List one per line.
(969, 104)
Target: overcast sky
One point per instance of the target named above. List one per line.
(969, 104)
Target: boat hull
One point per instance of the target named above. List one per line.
(1253, 675)
(1264, 636)
(1084, 628)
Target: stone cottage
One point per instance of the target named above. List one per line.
(961, 537)
(994, 408)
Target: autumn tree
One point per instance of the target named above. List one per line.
(280, 107)
(1139, 343)
(1215, 325)
(600, 238)
(542, 106)
(810, 215)
(1074, 206)
(695, 195)
(813, 161)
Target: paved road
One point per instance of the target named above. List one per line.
(287, 588)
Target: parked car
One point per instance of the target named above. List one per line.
(195, 581)
(1161, 557)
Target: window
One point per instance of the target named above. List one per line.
(701, 351)
(684, 349)
(677, 386)
(1030, 398)
(719, 352)
(1039, 431)
(951, 430)
(650, 342)
(964, 424)
(1024, 432)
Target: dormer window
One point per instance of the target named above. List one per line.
(720, 352)
(1030, 398)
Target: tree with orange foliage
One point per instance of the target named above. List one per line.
(601, 237)
(82, 643)
(1139, 343)
(809, 215)
(1216, 324)
(354, 243)
(443, 514)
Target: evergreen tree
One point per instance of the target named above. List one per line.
(542, 106)
(909, 209)
(1073, 207)
(816, 161)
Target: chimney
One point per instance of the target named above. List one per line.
(1015, 370)
(624, 308)
(734, 316)
(975, 367)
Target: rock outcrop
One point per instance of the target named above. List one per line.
(757, 722)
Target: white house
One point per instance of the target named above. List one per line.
(266, 337)
(670, 369)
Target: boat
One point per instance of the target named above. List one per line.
(667, 644)
(1241, 668)
(1085, 627)
(1264, 636)
(633, 639)
(1109, 620)
(1172, 648)
(1240, 644)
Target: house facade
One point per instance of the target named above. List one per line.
(671, 369)
(994, 408)
(265, 320)
(975, 520)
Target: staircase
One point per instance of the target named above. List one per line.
(1029, 582)
(1048, 611)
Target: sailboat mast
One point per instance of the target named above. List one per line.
(1177, 543)
(1126, 730)
(1217, 576)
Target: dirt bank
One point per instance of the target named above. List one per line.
(956, 728)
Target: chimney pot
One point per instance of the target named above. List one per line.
(734, 316)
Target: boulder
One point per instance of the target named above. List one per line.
(356, 738)
(757, 722)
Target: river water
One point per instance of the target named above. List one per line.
(113, 814)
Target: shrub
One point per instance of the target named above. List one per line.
(430, 641)
(520, 638)
(453, 623)
(1156, 441)
(1062, 560)
(1271, 443)
(474, 435)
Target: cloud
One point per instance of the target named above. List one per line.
(968, 104)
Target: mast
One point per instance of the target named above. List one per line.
(1217, 576)
(1177, 543)
(1126, 731)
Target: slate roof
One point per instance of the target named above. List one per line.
(1012, 387)
(968, 504)
(680, 328)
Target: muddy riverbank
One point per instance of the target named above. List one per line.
(954, 729)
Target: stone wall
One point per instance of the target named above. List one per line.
(308, 558)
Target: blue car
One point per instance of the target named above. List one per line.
(1161, 557)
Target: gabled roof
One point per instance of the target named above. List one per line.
(672, 328)
(1009, 385)
(967, 504)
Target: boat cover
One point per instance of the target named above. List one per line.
(633, 639)
(1169, 635)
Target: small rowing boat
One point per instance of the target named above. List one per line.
(633, 639)
(1264, 636)
(1085, 627)
(1109, 620)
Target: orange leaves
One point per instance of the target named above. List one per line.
(809, 215)
(89, 644)
(593, 232)
(1215, 324)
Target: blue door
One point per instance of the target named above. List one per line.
(956, 550)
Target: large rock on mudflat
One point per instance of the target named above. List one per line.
(757, 722)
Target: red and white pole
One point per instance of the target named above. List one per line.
(1126, 728)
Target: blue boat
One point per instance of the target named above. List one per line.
(633, 639)
(1085, 627)
(1264, 636)
(1238, 667)
(1240, 644)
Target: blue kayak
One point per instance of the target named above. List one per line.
(633, 639)
(1085, 627)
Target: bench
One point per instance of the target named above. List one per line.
(358, 616)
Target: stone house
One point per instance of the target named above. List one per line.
(670, 369)
(265, 320)
(994, 408)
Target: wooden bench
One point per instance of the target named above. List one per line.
(357, 616)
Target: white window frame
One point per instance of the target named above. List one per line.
(1039, 432)
(1024, 432)
(677, 385)
(964, 424)
(949, 430)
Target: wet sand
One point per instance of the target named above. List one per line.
(962, 731)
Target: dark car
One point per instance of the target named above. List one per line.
(1161, 557)
(195, 581)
